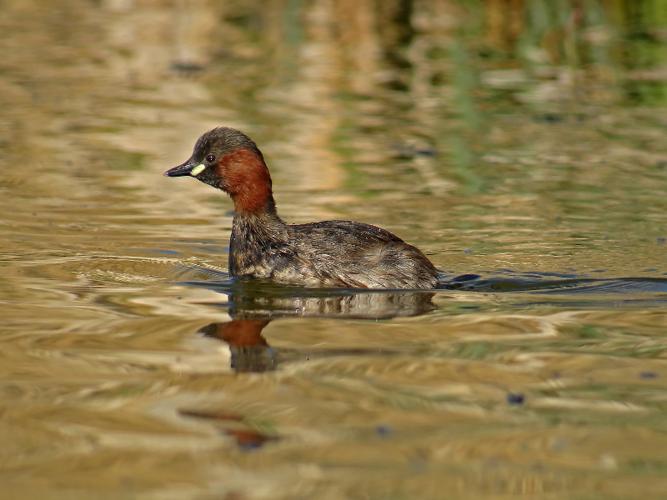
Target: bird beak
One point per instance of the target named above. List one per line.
(190, 167)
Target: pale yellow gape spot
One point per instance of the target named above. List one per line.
(197, 170)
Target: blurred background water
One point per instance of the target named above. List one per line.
(522, 141)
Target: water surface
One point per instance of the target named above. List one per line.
(520, 143)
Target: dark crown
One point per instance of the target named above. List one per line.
(223, 140)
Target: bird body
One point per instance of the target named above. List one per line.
(332, 253)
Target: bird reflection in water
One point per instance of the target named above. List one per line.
(250, 352)
(252, 307)
(252, 310)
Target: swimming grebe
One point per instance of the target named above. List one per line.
(332, 253)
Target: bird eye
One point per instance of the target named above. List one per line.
(210, 158)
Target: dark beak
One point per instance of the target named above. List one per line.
(182, 169)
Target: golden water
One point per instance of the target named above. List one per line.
(523, 142)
